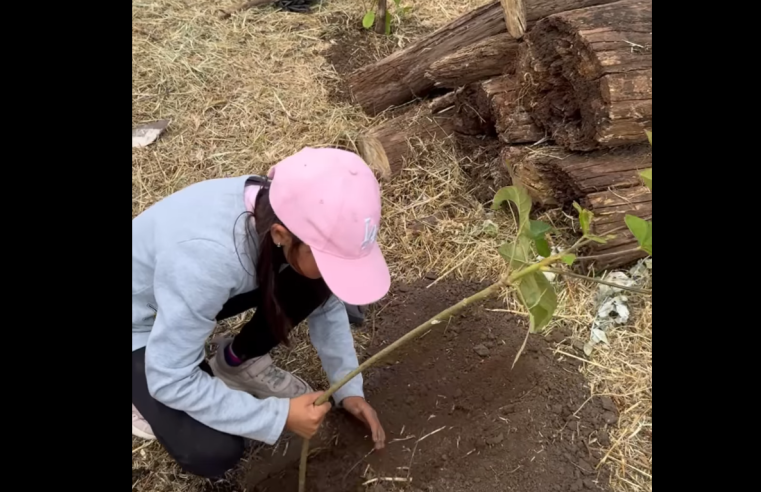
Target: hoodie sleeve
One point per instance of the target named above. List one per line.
(192, 282)
(331, 335)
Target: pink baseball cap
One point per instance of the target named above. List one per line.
(330, 199)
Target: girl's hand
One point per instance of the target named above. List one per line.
(362, 410)
(304, 418)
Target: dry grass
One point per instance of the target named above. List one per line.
(245, 92)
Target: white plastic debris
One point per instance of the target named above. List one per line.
(144, 135)
(612, 305)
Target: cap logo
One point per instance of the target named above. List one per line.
(371, 232)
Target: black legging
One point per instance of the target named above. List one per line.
(199, 449)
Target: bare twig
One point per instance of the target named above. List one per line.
(380, 17)
(599, 281)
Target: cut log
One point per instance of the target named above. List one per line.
(610, 208)
(400, 136)
(473, 110)
(521, 15)
(588, 74)
(554, 176)
(480, 61)
(513, 123)
(400, 78)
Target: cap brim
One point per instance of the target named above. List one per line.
(358, 282)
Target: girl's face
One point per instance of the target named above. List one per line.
(300, 257)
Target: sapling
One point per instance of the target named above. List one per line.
(525, 276)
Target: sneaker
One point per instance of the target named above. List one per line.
(356, 314)
(140, 427)
(259, 377)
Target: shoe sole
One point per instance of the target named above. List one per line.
(143, 435)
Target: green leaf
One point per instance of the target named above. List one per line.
(647, 177)
(643, 231)
(569, 259)
(368, 20)
(398, 3)
(520, 198)
(517, 253)
(539, 297)
(406, 10)
(538, 229)
(388, 23)
(543, 247)
(649, 136)
(585, 218)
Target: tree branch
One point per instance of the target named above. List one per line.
(380, 17)
(599, 281)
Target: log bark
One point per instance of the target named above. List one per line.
(402, 135)
(610, 208)
(513, 123)
(442, 103)
(554, 176)
(588, 74)
(400, 78)
(494, 107)
(521, 15)
(493, 56)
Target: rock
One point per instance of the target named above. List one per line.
(489, 345)
(585, 467)
(558, 409)
(431, 275)
(603, 438)
(493, 441)
(507, 409)
(610, 418)
(608, 403)
(404, 288)
(573, 425)
(578, 345)
(481, 350)
(590, 484)
(491, 336)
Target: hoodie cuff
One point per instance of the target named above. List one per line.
(282, 406)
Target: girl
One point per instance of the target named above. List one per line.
(291, 245)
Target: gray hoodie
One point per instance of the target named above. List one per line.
(190, 255)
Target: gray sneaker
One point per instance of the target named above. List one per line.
(259, 377)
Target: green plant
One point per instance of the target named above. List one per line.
(526, 277)
(384, 14)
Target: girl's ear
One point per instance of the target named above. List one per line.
(280, 235)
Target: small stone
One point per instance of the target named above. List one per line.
(404, 288)
(491, 336)
(578, 345)
(585, 467)
(558, 409)
(493, 441)
(603, 438)
(590, 484)
(507, 409)
(556, 336)
(481, 350)
(431, 275)
(608, 403)
(610, 418)
(489, 345)
(573, 425)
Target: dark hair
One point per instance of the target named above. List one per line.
(270, 261)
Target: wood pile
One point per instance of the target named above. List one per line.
(565, 87)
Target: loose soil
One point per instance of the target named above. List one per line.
(456, 416)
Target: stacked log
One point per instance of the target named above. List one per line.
(564, 86)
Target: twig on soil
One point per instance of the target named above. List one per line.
(587, 361)
(386, 479)
(599, 281)
(432, 433)
(358, 463)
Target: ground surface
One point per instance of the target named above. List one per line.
(530, 429)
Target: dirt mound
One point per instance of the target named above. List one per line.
(456, 416)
